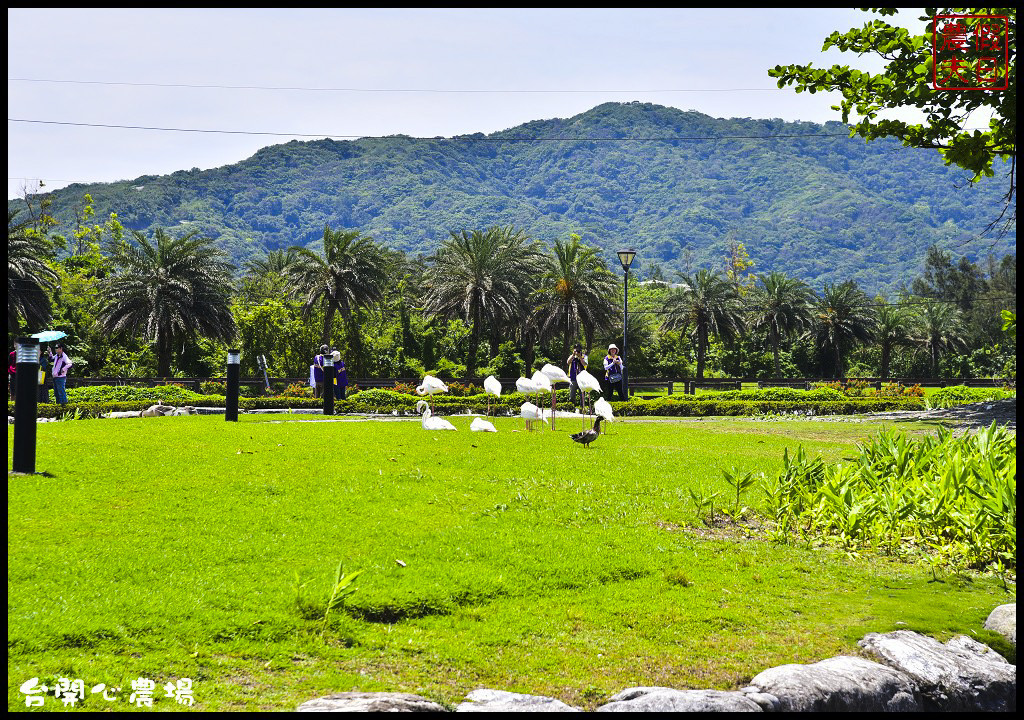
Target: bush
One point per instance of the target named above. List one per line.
(962, 395)
(898, 390)
(296, 390)
(173, 394)
(729, 407)
(213, 387)
(950, 498)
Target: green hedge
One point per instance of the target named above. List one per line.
(388, 402)
(166, 394)
(705, 408)
(962, 395)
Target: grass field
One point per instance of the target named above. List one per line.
(190, 547)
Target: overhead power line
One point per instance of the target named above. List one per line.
(482, 138)
(386, 90)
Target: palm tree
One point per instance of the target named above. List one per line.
(576, 292)
(29, 277)
(939, 328)
(353, 272)
(893, 329)
(482, 278)
(782, 305)
(842, 318)
(168, 290)
(709, 304)
(267, 276)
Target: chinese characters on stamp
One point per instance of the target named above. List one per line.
(970, 52)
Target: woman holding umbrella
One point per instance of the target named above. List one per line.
(47, 336)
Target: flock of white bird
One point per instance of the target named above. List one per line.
(542, 381)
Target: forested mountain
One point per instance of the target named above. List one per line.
(818, 208)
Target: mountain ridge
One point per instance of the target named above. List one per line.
(824, 209)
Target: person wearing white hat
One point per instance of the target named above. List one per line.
(341, 376)
(613, 372)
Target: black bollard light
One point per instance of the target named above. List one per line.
(26, 397)
(328, 384)
(231, 400)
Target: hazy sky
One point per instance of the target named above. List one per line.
(416, 72)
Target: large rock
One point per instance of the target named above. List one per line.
(962, 675)
(484, 700)
(157, 411)
(659, 699)
(838, 684)
(371, 702)
(126, 414)
(1003, 620)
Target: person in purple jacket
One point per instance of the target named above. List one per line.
(613, 373)
(341, 377)
(61, 364)
(576, 362)
(318, 373)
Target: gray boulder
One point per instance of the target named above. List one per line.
(1003, 620)
(371, 702)
(126, 414)
(962, 675)
(157, 411)
(484, 700)
(839, 684)
(659, 699)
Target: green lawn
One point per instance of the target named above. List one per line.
(170, 547)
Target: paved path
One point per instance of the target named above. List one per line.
(975, 415)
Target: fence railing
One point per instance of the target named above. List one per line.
(687, 386)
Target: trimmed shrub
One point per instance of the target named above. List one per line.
(963, 395)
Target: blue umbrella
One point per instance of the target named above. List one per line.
(50, 335)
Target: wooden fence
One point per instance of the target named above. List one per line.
(687, 386)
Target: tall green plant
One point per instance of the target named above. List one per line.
(708, 305)
(168, 290)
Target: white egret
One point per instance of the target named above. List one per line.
(481, 425)
(530, 413)
(556, 375)
(603, 409)
(586, 383)
(491, 387)
(429, 421)
(431, 386)
(543, 384)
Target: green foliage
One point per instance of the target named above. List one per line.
(340, 591)
(906, 83)
(962, 395)
(166, 394)
(951, 499)
(821, 208)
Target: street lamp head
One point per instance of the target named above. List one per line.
(626, 258)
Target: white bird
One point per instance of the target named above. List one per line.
(530, 413)
(526, 386)
(429, 421)
(431, 386)
(543, 382)
(603, 409)
(586, 383)
(556, 375)
(481, 425)
(491, 387)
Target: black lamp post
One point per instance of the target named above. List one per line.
(625, 259)
(26, 396)
(231, 394)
